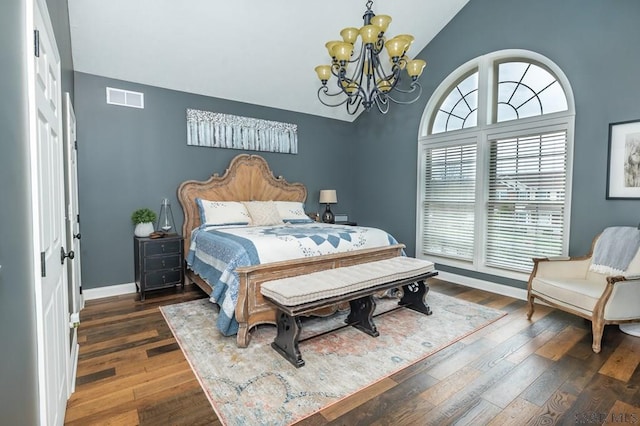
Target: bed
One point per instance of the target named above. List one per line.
(235, 286)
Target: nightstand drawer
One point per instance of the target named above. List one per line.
(162, 247)
(162, 262)
(163, 278)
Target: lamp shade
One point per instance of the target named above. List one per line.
(369, 33)
(324, 72)
(342, 51)
(350, 35)
(381, 21)
(415, 67)
(328, 196)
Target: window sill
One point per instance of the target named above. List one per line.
(468, 266)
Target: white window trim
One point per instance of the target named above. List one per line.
(484, 133)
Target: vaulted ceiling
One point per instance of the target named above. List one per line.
(256, 51)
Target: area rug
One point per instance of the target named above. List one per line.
(257, 386)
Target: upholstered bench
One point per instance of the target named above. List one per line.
(302, 294)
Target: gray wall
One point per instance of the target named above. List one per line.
(18, 378)
(594, 43)
(130, 158)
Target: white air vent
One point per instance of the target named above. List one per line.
(125, 98)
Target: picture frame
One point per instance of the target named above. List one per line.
(218, 130)
(623, 166)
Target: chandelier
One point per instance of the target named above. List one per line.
(366, 78)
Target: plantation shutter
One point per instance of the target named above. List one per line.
(526, 203)
(449, 198)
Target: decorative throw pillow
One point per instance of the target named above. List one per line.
(263, 213)
(292, 212)
(222, 212)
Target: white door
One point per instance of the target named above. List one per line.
(48, 218)
(73, 234)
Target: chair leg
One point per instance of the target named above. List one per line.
(530, 305)
(597, 328)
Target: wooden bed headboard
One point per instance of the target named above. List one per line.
(248, 178)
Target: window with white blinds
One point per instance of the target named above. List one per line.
(494, 176)
(449, 194)
(526, 199)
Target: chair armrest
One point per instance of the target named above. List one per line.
(565, 267)
(622, 304)
(612, 279)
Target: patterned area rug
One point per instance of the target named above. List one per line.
(257, 386)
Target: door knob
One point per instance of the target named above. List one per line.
(64, 255)
(78, 236)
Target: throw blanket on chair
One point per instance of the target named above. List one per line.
(615, 249)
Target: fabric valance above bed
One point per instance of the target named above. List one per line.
(215, 253)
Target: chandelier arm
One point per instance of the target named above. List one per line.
(357, 101)
(352, 86)
(325, 91)
(382, 105)
(392, 78)
(414, 87)
(378, 45)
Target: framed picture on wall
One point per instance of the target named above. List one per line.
(623, 168)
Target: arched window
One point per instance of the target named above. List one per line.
(495, 165)
(459, 109)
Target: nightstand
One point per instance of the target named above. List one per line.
(158, 263)
(346, 222)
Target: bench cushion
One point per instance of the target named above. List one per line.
(319, 285)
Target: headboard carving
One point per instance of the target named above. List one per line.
(248, 178)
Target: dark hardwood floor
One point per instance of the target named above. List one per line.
(514, 372)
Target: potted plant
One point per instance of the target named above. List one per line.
(143, 219)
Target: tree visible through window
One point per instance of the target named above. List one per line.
(495, 176)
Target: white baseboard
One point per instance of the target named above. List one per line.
(75, 352)
(504, 290)
(108, 291)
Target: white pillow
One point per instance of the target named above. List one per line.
(222, 212)
(263, 213)
(292, 212)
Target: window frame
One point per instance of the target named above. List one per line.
(484, 132)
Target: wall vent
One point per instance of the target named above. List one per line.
(125, 98)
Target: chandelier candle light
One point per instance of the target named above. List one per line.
(369, 81)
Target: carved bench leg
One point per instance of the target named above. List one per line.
(413, 297)
(286, 341)
(361, 315)
(243, 337)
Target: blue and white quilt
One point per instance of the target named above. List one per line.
(216, 252)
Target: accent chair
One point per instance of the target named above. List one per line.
(584, 287)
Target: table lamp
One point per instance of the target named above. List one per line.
(328, 196)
